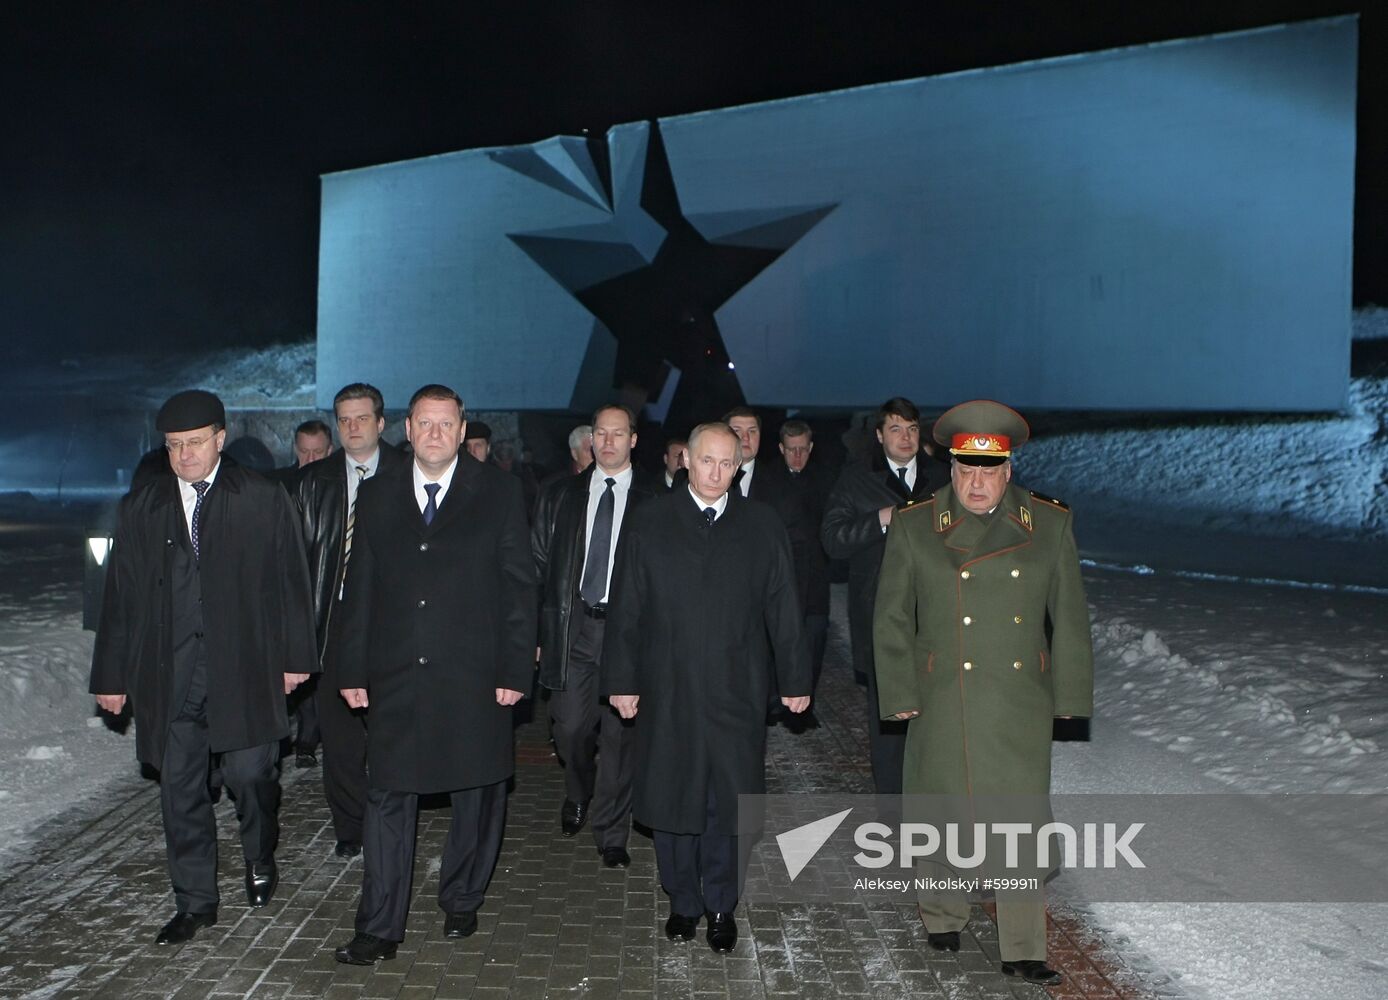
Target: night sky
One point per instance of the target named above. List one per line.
(159, 184)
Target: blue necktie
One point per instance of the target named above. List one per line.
(432, 507)
(710, 514)
(196, 527)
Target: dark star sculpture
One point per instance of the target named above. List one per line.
(660, 306)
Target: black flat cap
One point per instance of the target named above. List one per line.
(189, 410)
(476, 429)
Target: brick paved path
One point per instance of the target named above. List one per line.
(78, 918)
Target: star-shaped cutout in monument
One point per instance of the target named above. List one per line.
(651, 275)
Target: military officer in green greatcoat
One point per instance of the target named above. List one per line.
(970, 580)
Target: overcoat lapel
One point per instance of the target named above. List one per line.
(895, 484)
(459, 492)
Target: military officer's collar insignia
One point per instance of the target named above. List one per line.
(944, 519)
(1024, 516)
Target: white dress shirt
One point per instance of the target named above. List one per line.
(718, 508)
(444, 481)
(910, 471)
(354, 478)
(189, 496)
(745, 483)
(597, 486)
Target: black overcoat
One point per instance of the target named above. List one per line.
(850, 530)
(436, 618)
(257, 612)
(699, 619)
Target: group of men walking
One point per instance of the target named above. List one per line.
(667, 617)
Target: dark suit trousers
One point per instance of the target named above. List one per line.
(816, 638)
(702, 871)
(344, 747)
(469, 855)
(251, 775)
(303, 705)
(886, 744)
(584, 725)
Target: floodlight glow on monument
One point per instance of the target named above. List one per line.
(1161, 227)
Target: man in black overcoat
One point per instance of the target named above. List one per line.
(326, 495)
(810, 490)
(438, 639)
(856, 516)
(578, 522)
(206, 625)
(769, 481)
(703, 619)
(313, 441)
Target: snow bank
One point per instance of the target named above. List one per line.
(282, 375)
(1324, 477)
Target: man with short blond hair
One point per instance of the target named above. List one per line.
(438, 643)
(312, 441)
(703, 618)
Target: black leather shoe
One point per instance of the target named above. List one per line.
(460, 925)
(722, 931)
(944, 941)
(261, 880)
(1032, 971)
(183, 926)
(572, 816)
(365, 949)
(305, 758)
(680, 927)
(615, 857)
(347, 848)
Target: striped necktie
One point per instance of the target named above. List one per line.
(352, 521)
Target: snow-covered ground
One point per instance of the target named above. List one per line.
(1203, 684)
(53, 752)
(1206, 686)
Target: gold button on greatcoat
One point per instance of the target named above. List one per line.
(1018, 619)
(968, 665)
(1016, 572)
(1016, 664)
(968, 620)
(965, 574)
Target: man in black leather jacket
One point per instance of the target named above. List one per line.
(856, 516)
(572, 516)
(325, 495)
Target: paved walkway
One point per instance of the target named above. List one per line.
(78, 919)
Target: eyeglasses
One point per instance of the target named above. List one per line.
(194, 443)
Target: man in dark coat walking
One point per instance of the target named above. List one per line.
(703, 616)
(326, 495)
(578, 522)
(205, 627)
(855, 528)
(769, 481)
(438, 638)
